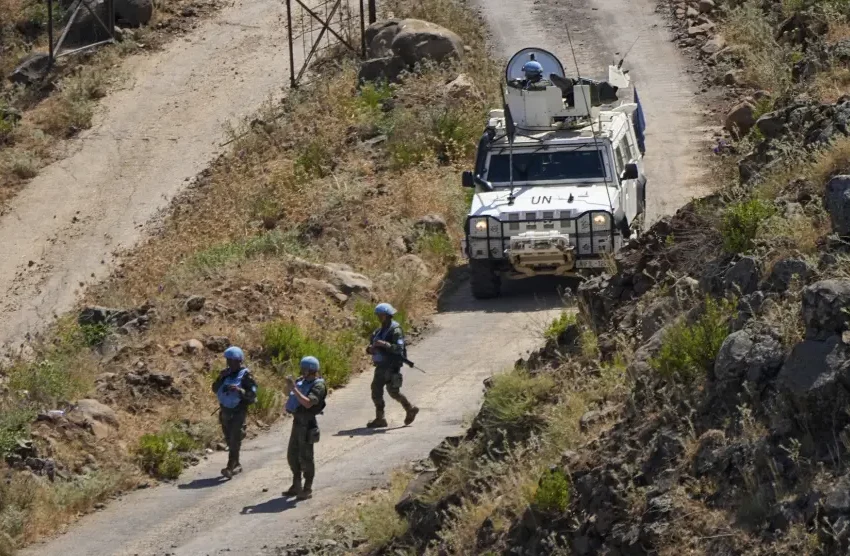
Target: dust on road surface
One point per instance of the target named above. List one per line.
(203, 514)
(148, 139)
(470, 340)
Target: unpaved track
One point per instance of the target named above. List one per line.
(204, 515)
(148, 140)
(470, 340)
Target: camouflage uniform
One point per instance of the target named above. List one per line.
(388, 373)
(304, 435)
(232, 421)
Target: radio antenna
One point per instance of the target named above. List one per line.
(592, 131)
(623, 59)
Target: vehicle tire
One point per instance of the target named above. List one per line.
(484, 280)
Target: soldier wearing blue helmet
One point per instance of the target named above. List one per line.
(534, 80)
(306, 401)
(236, 390)
(388, 350)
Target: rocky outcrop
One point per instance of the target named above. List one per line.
(837, 203)
(825, 309)
(396, 45)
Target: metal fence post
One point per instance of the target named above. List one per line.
(373, 12)
(362, 30)
(292, 79)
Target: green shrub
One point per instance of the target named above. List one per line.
(95, 334)
(513, 394)
(689, 351)
(161, 454)
(268, 403)
(741, 223)
(559, 325)
(373, 95)
(553, 492)
(454, 135)
(437, 246)
(367, 320)
(286, 343)
(45, 381)
(14, 425)
(314, 161)
(274, 243)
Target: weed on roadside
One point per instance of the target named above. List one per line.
(287, 343)
(161, 454)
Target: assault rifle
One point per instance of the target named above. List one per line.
(411, 364)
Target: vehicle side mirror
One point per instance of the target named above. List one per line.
(630, 172)
(467, 179)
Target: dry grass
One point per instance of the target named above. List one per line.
(766, 63)
(832, 84)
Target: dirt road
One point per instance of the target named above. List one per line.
(202, 516)
(148, 140)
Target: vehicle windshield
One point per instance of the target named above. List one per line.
(546, 166)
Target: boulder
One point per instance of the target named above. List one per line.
(741, 118)
(379, 38)
(417, 41)
(461, 88)
(713, 45)
(432, 223)
(388, 68)
(412, 266)
(133, 13)
(195, 303)
(743, 276)
(217, 343)
(824, 305)
(656, 315)
(815, 372)
(785, 272)
(732, 78)
(86, 28)
(771, 125)
(837, 500)
(93, 410)
(193, 346)
(350, 283)
(837, 201)
(706, 6)
(709, 451)
(746, 354)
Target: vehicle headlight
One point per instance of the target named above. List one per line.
(600, 219)
(478, 226)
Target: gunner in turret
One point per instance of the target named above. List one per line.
(534, 79)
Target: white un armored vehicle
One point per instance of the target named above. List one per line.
(558, 176)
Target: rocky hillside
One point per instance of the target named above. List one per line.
(698, 403)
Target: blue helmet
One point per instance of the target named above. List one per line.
(310, 362)
(532, 69)
(385, 309)
(234, 353)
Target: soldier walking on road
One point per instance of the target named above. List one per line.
(306, 401)
(236, 390)
(388, 351)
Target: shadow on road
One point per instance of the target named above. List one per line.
(364, 431)
(274, 506)
(528, 295)
(203, 483)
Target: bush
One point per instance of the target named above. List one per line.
(14, 424)
(368, 321)
(274, 243)
(741, 223)
(553, 492)
(438, 247)
(286, 344)
(689, 351)
(559, 325)
(513, 394)
(95, 334)
(268, 403)
(45, 381)
(161, 454)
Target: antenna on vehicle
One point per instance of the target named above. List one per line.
(593, 132)
(510, 129)
(623, 59)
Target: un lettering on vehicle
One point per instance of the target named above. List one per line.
(541, 200)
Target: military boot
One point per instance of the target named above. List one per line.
(307, 491)
(378, 421)
(410, 415)
(296, 488)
